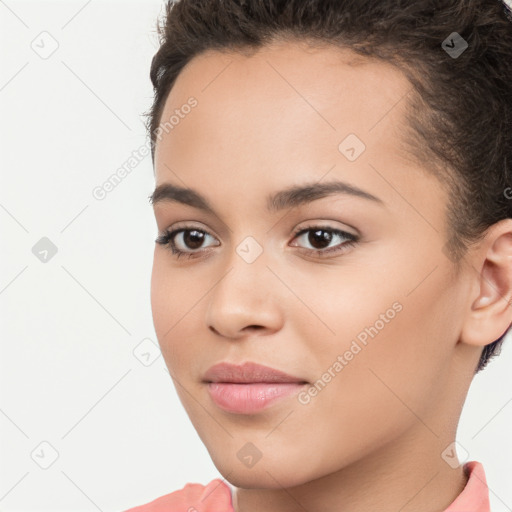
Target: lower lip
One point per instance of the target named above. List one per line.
(249, 398)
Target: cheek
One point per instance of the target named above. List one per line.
(178, 298)
(396, 321)
(172, 301)
(390, 379)
(161, 296)
(173, 292)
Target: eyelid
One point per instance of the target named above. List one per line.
(188, 226)
(318, 224)
(311, 224)
(164, 219)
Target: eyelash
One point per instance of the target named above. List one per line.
(167, 240)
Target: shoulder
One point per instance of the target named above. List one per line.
(213, 497)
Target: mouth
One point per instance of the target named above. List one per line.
(250, 387)
(249, 373)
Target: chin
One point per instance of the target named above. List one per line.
(263, 475)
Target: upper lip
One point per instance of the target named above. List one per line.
(247, 372)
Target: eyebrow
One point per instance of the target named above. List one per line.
(293, 196)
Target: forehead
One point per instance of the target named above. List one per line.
(321, 72)
(279, 115)
(312, 93)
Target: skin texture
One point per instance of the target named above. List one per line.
(373, 437)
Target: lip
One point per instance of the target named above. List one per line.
(250, 387)
(248, 372)
(252, 397)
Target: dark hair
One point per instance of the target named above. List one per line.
(459, 117)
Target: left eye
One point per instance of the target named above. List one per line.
(320, 237)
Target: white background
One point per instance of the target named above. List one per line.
(69, 327)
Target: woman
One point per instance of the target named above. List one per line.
(333, 263)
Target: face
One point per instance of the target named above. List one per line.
(351, 293)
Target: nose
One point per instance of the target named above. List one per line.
(246, 299)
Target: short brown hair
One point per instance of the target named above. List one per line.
(460, 117)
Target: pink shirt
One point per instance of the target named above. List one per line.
(216, 496)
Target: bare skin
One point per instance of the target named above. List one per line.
(375, 437)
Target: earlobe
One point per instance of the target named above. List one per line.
(491, 311)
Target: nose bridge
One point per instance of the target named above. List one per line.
(246, 271)
(249, 241)
(245, 294)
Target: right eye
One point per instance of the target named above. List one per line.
(189, 238)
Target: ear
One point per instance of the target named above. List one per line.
(491, 301)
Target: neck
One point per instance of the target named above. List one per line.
(406, 475)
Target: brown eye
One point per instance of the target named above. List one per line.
(192, 238)
(183, 241)
(321, 237)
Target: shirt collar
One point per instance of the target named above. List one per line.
(475, 496)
